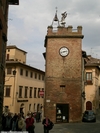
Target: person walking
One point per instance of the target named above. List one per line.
(20, 123)
(30, 124)
(46, 123)
(37, 116)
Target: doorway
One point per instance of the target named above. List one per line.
(21, 109)
(88, 105)
(62, 112)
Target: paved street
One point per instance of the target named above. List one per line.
(71, 128)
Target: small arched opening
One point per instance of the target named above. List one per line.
(88, 105)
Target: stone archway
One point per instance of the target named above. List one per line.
(88, 105)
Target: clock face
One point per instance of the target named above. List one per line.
(64, 51)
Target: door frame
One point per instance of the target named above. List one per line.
(62, 112)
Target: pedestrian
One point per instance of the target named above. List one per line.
(30, 123)
(3, 121)
(8, 122)
(14, 122)
(23, 115)
(27, 116)
(37, 116)
(34, 115)
(46, 123)
(20, 123)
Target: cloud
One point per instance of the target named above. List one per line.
(31, 18)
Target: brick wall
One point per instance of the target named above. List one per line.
(65, 71)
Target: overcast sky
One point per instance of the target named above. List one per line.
(28, 22)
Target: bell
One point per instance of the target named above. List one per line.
(55, 18)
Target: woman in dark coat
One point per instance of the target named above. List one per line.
(46, 123)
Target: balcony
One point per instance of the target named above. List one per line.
(13, 2)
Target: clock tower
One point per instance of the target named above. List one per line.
(63, 73)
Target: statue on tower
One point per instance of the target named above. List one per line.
(56, 22)
(64, 15)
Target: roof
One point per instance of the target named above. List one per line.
(14, 47)
(90, 61)
(16, 63)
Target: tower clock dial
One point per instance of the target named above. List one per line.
(64, 51)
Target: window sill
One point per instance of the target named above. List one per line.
(89, 82)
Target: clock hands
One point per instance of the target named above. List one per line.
(63, 51)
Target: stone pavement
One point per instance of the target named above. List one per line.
(58, 128)
(64, 127)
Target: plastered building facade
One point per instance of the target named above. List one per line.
(23, 83)
(92, 84)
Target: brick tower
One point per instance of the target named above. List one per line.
(63, 74)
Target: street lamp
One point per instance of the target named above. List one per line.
(14, 73)
(83, 95)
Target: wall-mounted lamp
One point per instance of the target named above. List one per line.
(16, 93)
(83, 95)
(14, 72)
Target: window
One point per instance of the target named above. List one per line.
(8, 50)
(21, 71)
(7, 91)
(30, 95)
(7, 58)
(62, 88)
(31, 74)
(29, 107)
(43, 91)
(26, 90)
(89, 78)
(9, 70)
(26, 73)
(20, 91)
(42, 77)
(39, 76)
(38, 92)
(35, 75)
(35, 92)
